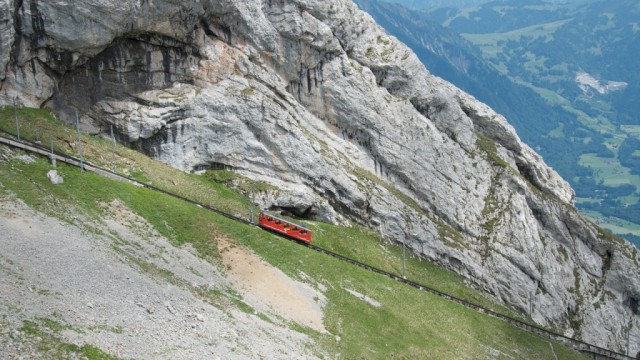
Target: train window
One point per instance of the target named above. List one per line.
(295, 228)
(303, 231)
(278, 222)
(269, 218)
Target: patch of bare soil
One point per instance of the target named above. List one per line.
(269, 289)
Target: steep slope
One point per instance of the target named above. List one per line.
(581, 58)
(588, 145)
(123, 309)
(448, 55)
(314, 98)
(101, 294)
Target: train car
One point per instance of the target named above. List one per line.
(284, 227)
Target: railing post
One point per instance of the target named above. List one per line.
(404, 264)
(113, 158)
(52, 156)
(79, 143)
(15, 113)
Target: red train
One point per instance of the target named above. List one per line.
(287, 228)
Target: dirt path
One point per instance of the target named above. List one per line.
(269, 289)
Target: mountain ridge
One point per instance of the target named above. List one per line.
(317, 100)
(526, 74)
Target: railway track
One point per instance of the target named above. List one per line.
(593, 350)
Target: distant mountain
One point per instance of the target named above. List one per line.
(448, 55)
(458, 4)
(574, 98)
(422, 4)
(583, 57)
(549, 46)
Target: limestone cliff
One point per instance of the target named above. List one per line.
(315, 98)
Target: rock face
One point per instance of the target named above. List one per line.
(314, 98)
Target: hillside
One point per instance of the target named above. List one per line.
(334, 121)
(457, 4)
(449, 55)
(127, 277)
(578, 62)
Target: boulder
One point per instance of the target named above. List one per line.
(54, 177)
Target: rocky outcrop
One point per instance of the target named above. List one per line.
(54, 177)
(315, 99)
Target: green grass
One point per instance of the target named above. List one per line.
(367, 247)
(82, 192)
(609, 171)
(488, 146)
(237, 182)
(45, 334)
(128, 162)
(631, 130)
(615, 225)
(489, 43)
(410, 324)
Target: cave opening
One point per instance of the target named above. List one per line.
(633, 305)
(303, 213)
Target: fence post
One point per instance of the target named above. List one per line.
(53, 157)
(113, 152)
(15, 113)
(404, 263)
(530, 304)
(79, 143)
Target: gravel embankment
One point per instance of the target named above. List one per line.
(94, 288)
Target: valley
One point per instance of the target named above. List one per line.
(573, 98)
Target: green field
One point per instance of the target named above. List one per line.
(615, 225)
(633, 130)
(606, 171)
(410, 324)
(609, 171)
(492, 44)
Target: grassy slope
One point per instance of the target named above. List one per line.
(410, 323)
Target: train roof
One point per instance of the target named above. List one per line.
(287, 221)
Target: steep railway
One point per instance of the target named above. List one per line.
(593, 350)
